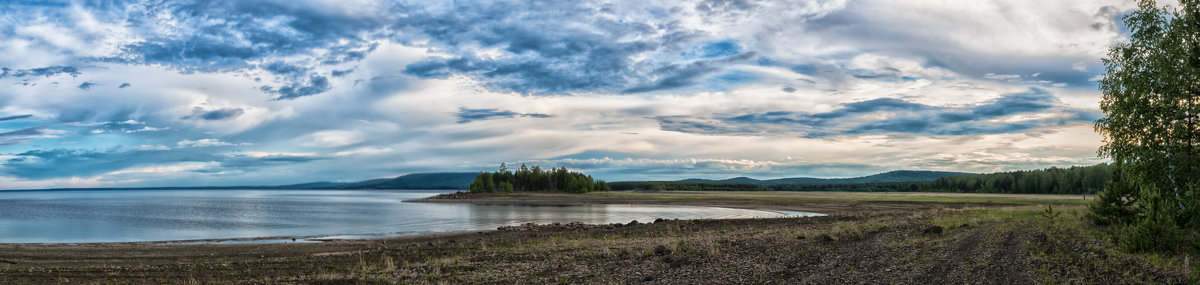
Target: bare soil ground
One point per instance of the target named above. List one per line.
(897, 243)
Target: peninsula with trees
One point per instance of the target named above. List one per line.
(535, 179)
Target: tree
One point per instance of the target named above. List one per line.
(1150, 125)
(483, 183)
(535, 179)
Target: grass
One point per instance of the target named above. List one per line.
(976, 216)
(1067, 248)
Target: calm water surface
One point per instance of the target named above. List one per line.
(79, 216)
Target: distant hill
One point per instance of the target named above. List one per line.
(462, 181)
(310, 185)
(442, 180)
(1053, 180)
(415, 181)
(890, 176)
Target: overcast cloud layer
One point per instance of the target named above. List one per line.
(151, 93)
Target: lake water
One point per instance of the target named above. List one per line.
(81, 216)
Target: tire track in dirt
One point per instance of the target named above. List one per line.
(975, 255)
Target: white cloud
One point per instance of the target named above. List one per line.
(1080, 66)
(153, 147)
(175, 168)
(207, 143)
(331, 138)
(1001, 76)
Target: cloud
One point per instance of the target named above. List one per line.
(367, 88)
(199, 113)
(314, 85)
(1011, 113)
(636, 168)
(467, 115)
(585, 48)
(676, 76)
(252, 37)
(1001, 76)
(249, 161)
(16, 117)
(58, 163)
(715, 49)
(127, 127)
(54, 163)
(26, 135)
(331, 138)
(48, 71)
(207, 143)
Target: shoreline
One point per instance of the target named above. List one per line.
(820, 205)
(817, 206)
(882, 242)
(316, 239)
(826, 208)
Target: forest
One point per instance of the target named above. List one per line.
(535, 179)
(1053, 180)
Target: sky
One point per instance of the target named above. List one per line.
(157, 93)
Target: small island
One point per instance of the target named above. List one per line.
(534, 179)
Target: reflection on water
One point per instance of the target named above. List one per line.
(79, 216)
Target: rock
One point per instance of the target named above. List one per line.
(826, 238)
(648, 278)
(661, 250)
(934, 230)
(801, 237)
(453, 196)
(659, 220)
(679, 262)
(964, 226)
(633, 223)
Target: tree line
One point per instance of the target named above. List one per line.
(1053, 180)
(535, 179)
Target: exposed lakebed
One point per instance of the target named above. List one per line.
(85, 216)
